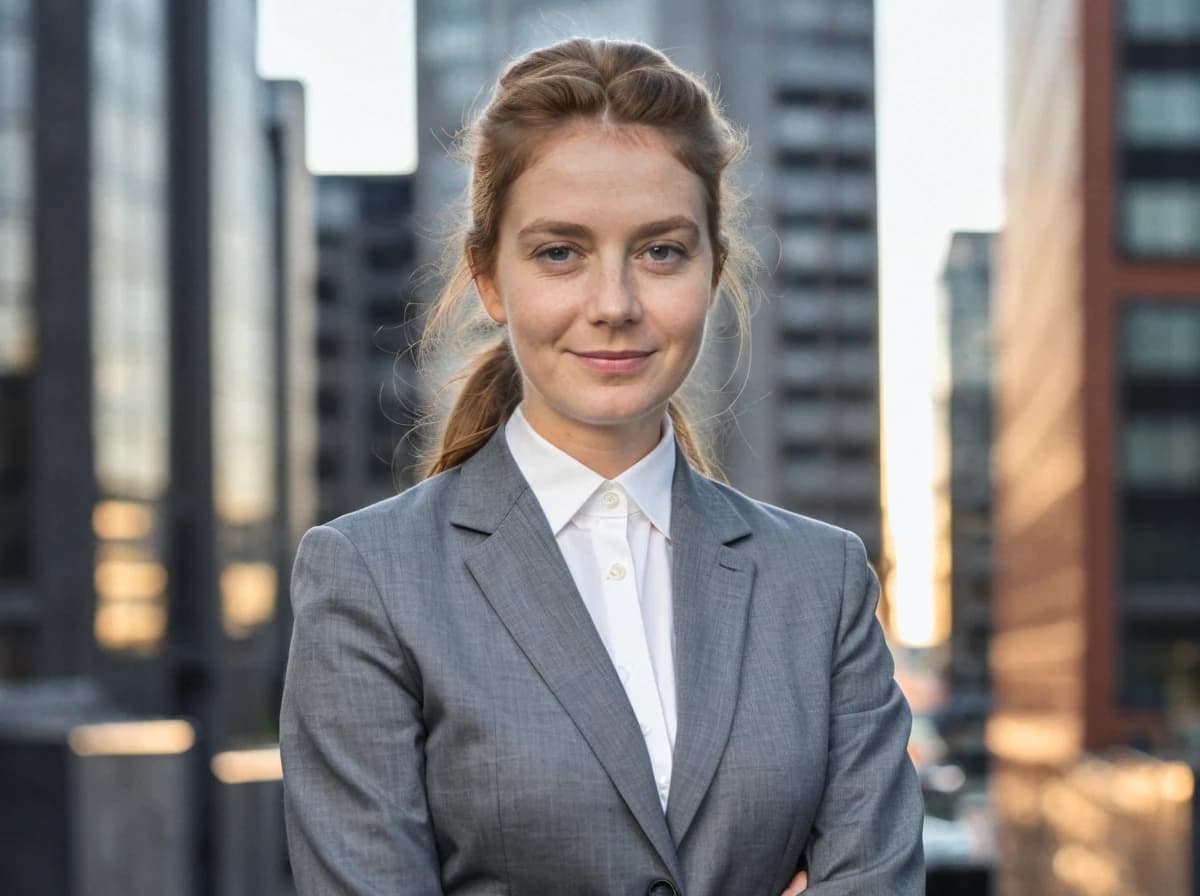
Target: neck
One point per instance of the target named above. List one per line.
(609, 450)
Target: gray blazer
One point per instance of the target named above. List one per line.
(452, 724)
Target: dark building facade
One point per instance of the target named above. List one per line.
(293, 196)
(17, 339)
(964, 412)
(140, 409)
(367, 395)
(223, 427)
(1097, 444)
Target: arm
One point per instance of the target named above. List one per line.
(351, 736)
(866, 837)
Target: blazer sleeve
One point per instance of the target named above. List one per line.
(866, 837)
(351, 736)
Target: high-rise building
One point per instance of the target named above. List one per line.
(963, 403)
(18, 608)
(1097, 447)
(84, 355)
(804, 432)
(294, 226)
(367, 396)
(139, 412)
(223, 349)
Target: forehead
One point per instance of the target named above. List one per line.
(604, 175)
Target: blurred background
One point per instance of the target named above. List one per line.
(981, 352)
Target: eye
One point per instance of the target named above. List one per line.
(556, 254)
(661, 252)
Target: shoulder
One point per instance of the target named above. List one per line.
(767, 522)
(412, 516)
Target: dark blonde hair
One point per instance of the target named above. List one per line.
(573, 82)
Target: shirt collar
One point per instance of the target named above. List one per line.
(562, 485)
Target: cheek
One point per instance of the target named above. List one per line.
(537, 321)
(686, 323)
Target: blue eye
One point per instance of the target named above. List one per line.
(663, 252)
(557, 253)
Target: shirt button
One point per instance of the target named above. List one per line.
(624, 674)
(646, 729)
(610, 500)
(616, 572)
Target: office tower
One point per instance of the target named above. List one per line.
(367, 399)
(1097, 452)
(84, 355)
(138, 530)
(804, 430)
(17, 341)
(223, 345)
(963, 416)
(293, 192)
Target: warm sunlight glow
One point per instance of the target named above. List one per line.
(248, 766)
(132, 738)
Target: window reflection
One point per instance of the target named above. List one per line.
(129, 319)
(243, 326)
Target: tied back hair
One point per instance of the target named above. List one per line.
(578, 81)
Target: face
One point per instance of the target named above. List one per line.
(604, 278)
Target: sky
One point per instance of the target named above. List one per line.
(940, 166)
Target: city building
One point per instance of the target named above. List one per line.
(18, 608)
(140, 418)
(803, 429)
(1096, 595)
(224, 500)
(367, 396)
(964, 420)
(295, 290)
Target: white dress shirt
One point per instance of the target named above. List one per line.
(615, 538)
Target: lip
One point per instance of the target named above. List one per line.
(606, 361)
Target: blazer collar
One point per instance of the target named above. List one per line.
(491, 483)
(541, 608)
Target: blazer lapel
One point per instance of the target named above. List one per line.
(712, 584)
(521, 572)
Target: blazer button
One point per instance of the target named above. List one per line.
(662, 888)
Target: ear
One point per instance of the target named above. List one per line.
(489, 295)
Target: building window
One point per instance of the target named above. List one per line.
(1159, 492)
(1161, 109)
(1161, 218)
(1162, 340)
(1161, 19)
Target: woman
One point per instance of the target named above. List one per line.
(569, 662)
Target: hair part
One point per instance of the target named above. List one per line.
(576, 82)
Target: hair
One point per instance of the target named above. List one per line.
(574, 82)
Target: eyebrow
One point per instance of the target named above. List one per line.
(579, 231)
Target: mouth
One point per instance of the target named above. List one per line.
(607, 361)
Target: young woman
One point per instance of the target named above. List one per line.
(569, 662)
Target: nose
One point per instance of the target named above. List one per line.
(613, 298)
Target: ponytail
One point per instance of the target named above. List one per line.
(491, 392)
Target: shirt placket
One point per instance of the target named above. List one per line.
(630, 652)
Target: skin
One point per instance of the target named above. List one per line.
(604, 276)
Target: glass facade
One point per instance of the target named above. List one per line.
(16, 312)
(130, 308)
(1159, 115)
(1159, 495)
(243, 325)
